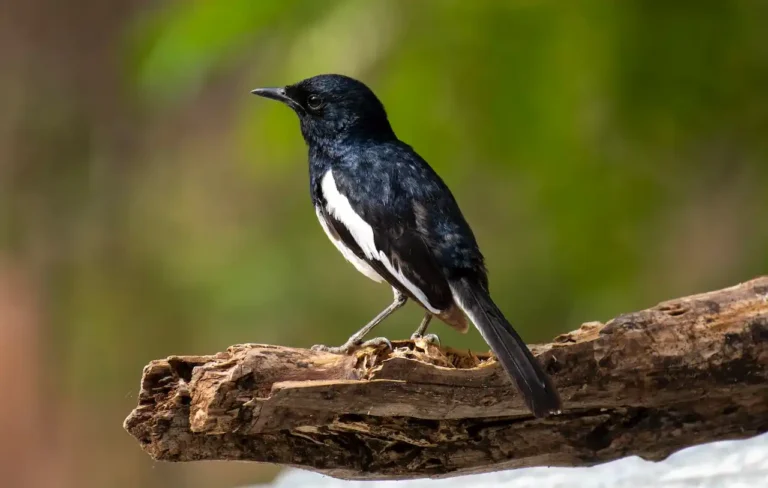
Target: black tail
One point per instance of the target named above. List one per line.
(538, 391)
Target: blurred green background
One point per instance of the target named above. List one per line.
(609, 155)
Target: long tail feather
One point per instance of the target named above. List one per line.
(535, 385)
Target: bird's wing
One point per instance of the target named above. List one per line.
(386, 235)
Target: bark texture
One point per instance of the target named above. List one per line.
(684, 372)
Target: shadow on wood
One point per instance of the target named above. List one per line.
(687, 371)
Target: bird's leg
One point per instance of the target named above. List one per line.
(355, 341)
(432, 338)
(422, 326)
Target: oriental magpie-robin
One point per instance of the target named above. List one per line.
(395, 220)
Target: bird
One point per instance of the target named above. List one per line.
(394, 219)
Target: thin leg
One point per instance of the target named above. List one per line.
(431, 338)
(422, 326)
(355, 341)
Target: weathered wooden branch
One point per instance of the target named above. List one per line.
(684, 372)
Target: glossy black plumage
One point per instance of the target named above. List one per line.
(394, 218)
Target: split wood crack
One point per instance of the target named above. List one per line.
(687, 371)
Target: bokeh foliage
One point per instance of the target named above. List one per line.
(608, 155)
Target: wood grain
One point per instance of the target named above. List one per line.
(684, 372)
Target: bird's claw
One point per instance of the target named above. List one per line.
(377, 342)
(345, 348)
(324, 348)
(428, 338)
(349, 347)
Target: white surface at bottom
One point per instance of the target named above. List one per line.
(725, 464)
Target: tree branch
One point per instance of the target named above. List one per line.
(687, 371)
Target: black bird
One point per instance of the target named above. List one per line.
(393, 218)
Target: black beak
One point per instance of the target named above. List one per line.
(280, 95)
(273, 93)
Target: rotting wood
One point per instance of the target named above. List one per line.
(684, 372)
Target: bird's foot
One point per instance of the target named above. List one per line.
(428, 338)
(377, 342)
(342, 349)
(350, 346)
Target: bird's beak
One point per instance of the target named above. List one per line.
(278, 94)
(273, 93)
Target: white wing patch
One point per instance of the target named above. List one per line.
(399, 276)
(338, 205)
(358, 263)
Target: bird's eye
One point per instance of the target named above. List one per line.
(314, 102)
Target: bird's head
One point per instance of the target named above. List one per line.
(331, 107)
